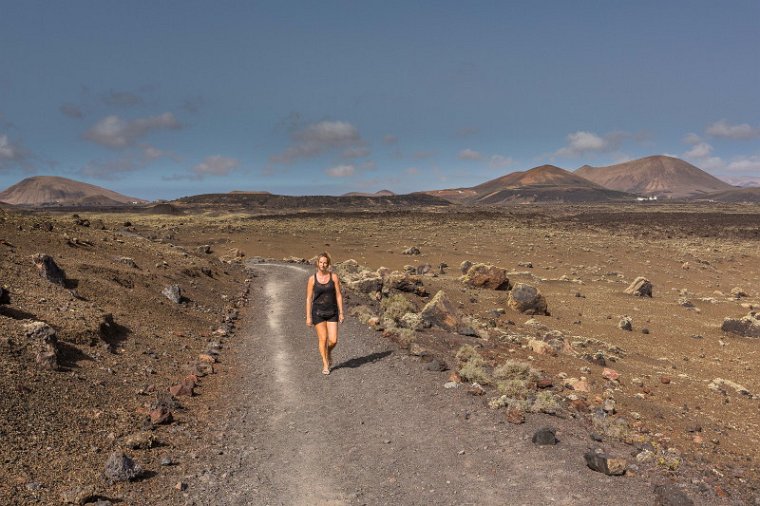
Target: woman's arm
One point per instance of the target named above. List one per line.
(338, 297)
(309, 297)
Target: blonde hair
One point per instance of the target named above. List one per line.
(326, 255)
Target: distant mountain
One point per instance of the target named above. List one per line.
(660, 176)
(309, 202)
(46, 191)
(546, 183)
(736, 195)
(744, 181)
(381, 193)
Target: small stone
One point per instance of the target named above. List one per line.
(476, 389)
(413, 250)
(450, 384)
(436, 365)
(640, 287)
(181, 486)
(173, 293)
(167, 461)
(626, 323)
(545, 436)
(665, 380)
(610, 374)
(515, 415)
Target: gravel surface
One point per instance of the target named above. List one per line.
(380, 429)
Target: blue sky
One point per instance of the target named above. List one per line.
(172, 98)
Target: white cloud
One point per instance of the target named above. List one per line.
(341, 171)
(723, 129)
(749, 164)
(500, 162)
(12, 154)
(581, 142)
(318, 138)
(111, 169)
(117, 133)
(692, 138)
(469, 154)
(700, 150)
(215, 166)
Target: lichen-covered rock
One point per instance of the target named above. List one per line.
(173, 293)
(640, 287)
(486, 276)
(527, 300)
(440, 312)
(746, 326)
(465, 266)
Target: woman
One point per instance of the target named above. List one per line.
(324, 308)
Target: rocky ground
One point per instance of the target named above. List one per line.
(678, 392)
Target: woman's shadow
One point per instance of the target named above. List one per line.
(360, 361)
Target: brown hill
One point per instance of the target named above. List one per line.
(660, 176)
(381, 193)
(46, 191)
(736, 195)
(546, 183)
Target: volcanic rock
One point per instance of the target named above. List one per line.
(641, 287)
(603, 463)
(48, 269)
(746, 326)
(120, 467)
(545, 436)
(440, 311)
(173, 293)
(486, 276)
(5, 296)
(413, 250)
(527, 299)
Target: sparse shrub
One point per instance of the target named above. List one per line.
(513, 388)
(512, 369)
(546, 402)
(363, 314)
(396, 306)
(474, 371)
(506, 401)
(413, 321)
(466, 353)
(405, 337)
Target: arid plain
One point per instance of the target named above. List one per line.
(670, 408)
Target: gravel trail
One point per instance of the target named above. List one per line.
(381, 429)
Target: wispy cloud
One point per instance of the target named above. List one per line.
(72, 111)
(13, 154)
(317, 138)
(122, 98)
(217, 166)
(580, 143)
(341, 171)
(500, 162)
(469, 154)
(725, 130)
(117, 133)
(699, 150)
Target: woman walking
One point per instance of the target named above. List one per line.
(324, 308)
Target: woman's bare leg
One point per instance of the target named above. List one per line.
(322, 336)
(332, 339)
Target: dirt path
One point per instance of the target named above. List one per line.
(381, 429)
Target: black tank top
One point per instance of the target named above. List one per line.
(324, 294)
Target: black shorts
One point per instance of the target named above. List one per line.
(315, 318)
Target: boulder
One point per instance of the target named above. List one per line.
(486, 276)
(406, 283)
(465, 266)
(440, 311)
(48, 269)
(366, 285)
(545, 436)
(413, 250)
(424, 269)
(527, 299)
(640, 287)
(746, 326)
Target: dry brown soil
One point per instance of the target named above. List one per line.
(60, 426)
